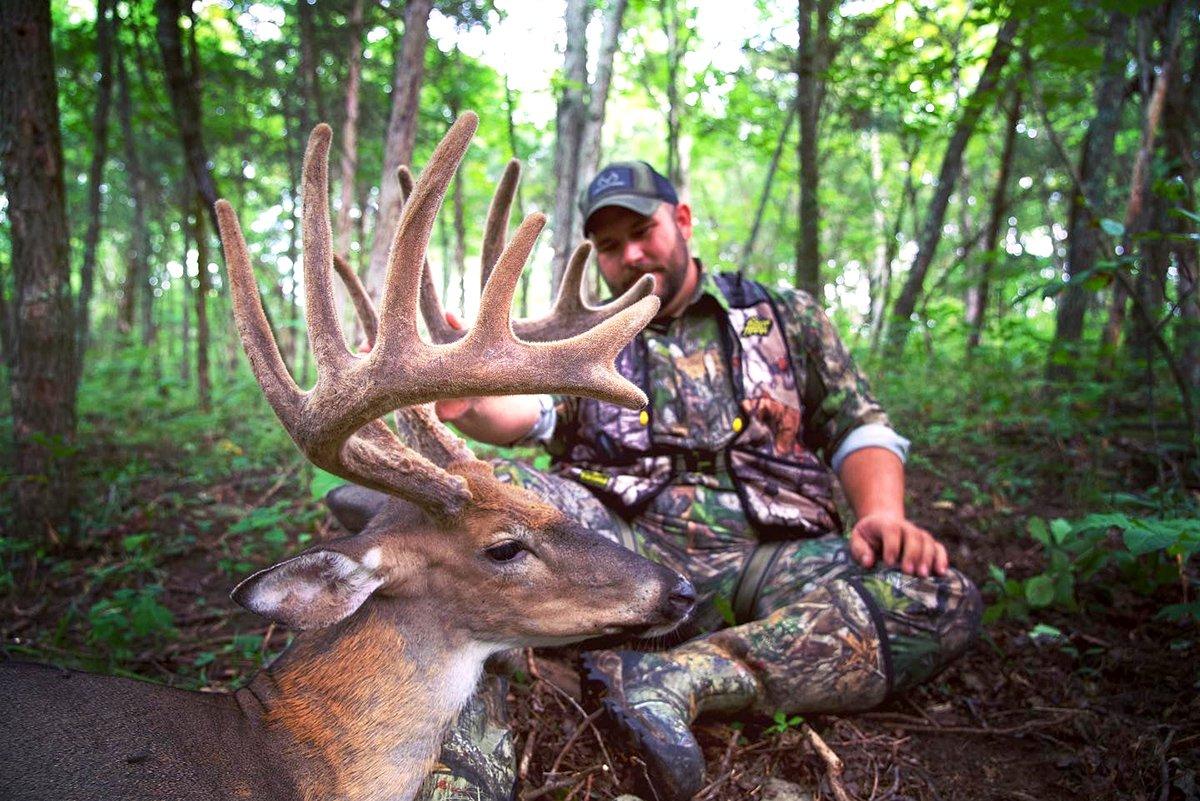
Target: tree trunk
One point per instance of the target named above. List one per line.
(677, 44)
(977, 308)
(185, 324)
(768, 181)
(106, 21)
(345, 221)
(1135, 215)
(593, 121)
(1180, 120)
(401, 135)
(308, 63)
(203, 387)
(523, 303)
(184, 89)
(138, 282)
(568, 131)
(808, 258)
(43, 378)
(1084, 238)
(908, 200)
(931, 234)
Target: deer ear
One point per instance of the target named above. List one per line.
(315, 589)
(354, 506)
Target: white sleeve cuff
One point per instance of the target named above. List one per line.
(543, 429)
(871, 435)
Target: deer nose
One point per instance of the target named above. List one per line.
(682, 597)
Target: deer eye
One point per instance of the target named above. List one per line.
(505, 551)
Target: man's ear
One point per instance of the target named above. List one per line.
(354, 506)
(683, 220)
(315, 589)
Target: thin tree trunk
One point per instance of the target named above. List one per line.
(676, 48)
(203, 387)
(308, 61)
(593, 121)
(1087, 203)
(185, 333)
(808, 258)
(931, 234)
(569, 124)
(908, 200)
(139, 251)
(977, 308)
(43, 378)
(105, 32)
(184, 90)
(523, 303)
(401, 135)
(345, 220)
(1135, 217)
(768, 181)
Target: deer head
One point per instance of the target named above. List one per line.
(492, 563)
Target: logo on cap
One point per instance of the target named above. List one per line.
(610, 179)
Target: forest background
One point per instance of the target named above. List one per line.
(996, 201)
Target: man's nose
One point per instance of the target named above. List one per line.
(633, 254)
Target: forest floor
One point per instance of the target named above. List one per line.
(1108, 707)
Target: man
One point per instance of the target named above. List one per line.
(726, 477)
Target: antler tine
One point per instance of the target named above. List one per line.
(431, 305)
(324, 325)
(358, 294)
(494, 320)
(402, 289)
(267, 364)
(496, 229)
(570, 314)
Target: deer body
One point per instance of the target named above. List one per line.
(395, 621)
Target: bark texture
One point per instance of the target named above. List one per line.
(407, 80)
(105, 29)
(41, 350)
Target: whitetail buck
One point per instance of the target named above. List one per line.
(395, 622)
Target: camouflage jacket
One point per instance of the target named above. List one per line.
(747, 382)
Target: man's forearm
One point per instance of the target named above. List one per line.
(873, 479)
(498, 420)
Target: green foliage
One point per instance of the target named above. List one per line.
(782, 723)
(1147, 553)
(130, 619)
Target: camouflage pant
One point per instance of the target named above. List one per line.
(819, 633)
(800, 626)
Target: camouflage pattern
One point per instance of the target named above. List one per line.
(477, 760)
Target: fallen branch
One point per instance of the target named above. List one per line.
(833, 763)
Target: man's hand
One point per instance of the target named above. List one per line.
(900, 543)
(450, 410)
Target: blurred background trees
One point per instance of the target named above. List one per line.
(982, 194)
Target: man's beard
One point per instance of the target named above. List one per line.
(668, 277)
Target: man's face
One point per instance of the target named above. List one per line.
(629, 246)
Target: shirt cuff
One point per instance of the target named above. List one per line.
(543, 429)
(871, 435)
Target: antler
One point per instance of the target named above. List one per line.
(335, 424)
(570, 314)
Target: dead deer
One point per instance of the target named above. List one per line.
(393, 623)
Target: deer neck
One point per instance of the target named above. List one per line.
(368, 701)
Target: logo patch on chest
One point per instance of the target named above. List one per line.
(757, 327)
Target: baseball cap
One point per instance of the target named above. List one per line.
(633, 185)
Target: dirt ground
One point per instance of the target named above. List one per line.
(1110, 711)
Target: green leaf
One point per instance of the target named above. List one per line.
(1112, 227)
(1039, 591)
(1038, 530)
(1150, 537)
(1060, 529)
(1047, 631)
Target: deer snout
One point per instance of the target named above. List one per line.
(682, 598)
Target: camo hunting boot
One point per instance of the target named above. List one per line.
(651, 699)
(476, 762)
